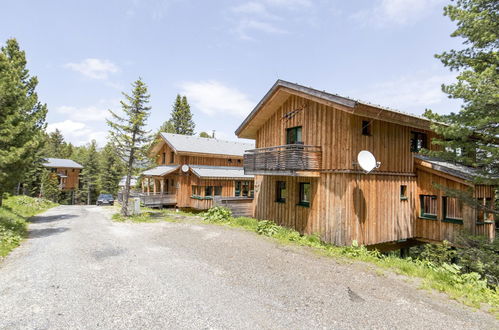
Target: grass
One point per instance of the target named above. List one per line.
(14, 214)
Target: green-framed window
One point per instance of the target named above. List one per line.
(305, 194)
(281, 192)
(429, 206)
(452, 209)
(293, 135)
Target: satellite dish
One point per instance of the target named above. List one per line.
(185, 168)
(367, 161)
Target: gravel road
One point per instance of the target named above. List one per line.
(80, 270)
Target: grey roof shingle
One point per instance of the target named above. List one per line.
(160, 170)
(204, 171)
(187, 143)
(59, 162)
(457, 170)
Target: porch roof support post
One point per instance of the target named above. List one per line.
(154, 185)
(162, 185)
(148, 186)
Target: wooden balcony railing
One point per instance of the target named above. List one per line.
(283, 160)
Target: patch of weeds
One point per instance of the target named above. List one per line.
(142, 217)
(14, 214)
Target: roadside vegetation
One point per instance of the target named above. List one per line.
(471, 282)
(14, 214)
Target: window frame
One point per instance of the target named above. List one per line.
(415, 135)
(172, 157)
(298, 137)
(487, 202)
(403, 192)
(301, 194)
(424, 215)
(445, 218)
(280, 186)
(217, 190)
(366, 128)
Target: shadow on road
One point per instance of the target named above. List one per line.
(51, 218)
(39, 233)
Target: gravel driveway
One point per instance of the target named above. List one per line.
(80, 270)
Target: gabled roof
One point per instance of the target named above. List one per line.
(160, 170)
(219, 172)
(198, 145)
(133, 181)
(457, 170)
(61, 163)
(282, 89)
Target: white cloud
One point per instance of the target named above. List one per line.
(260, 16)
(78, 133)
(214, 98)
(411, 93)
(96, 112)
(398, 12)
(94, 68)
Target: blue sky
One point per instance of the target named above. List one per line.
(225, 55)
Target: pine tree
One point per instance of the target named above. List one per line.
(90, 173)
(111, 170)
(50, 186)
(22, 117)
(471, 136)
(181, 117)
(128, 133)
(205, 135)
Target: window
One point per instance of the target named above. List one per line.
(208, 190)
(366, 127)
(194, 190)
(172, 157)
(429, 206)
(218, 190)
(403, 192)
(418, 141)
(243, 188)
(293, 135)
(453, 209)
(482, 215)
(229, 160)
(304, 194)
(239, 161)
(280, 192)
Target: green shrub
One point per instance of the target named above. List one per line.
(267, 228)
(217, 214)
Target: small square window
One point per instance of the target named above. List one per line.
(293, 135)
(366, 127)
(208, 190)
(403, 192)
(218, 190)
(453, 210)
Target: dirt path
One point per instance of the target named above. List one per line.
(80, 270)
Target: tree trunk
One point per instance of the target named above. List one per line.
(88, 193)
(1, 198)
(126, 193)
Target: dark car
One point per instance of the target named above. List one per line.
(105, 199)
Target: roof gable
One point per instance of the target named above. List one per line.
(281, 90)
(61, 163)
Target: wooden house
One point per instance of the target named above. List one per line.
(67, 172)
(307, 178)
(195, 172)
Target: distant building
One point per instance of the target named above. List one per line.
(67, 172)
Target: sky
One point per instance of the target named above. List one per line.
(225, 55)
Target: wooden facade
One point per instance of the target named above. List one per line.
(190, 189)
(346, 204)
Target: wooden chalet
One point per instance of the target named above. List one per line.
(195, 172)
(307, 178)
(67, 172)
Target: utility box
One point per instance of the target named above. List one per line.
(134, 206)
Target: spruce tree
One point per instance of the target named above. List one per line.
(50, 186)
(22, 117)
(181, 117)
(128, 133)
(90, 173)
(471, 136)
(167, 127)
(111, 170)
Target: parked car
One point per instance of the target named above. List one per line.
(105, 199)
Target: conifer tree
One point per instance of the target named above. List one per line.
(49, 186)
(111, 170)
(22, 117)
(471, 136)
(128, 133)
(90, 173)
(181, 117)
(167, 127)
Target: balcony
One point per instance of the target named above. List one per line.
(289, 160)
